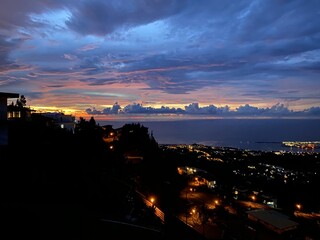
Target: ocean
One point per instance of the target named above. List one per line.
(251, 134)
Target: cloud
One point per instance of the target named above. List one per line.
(113, 110)
(249, 110)
(6, 46)
(89, 47)
(69, 57)
(277, 110)
(253, 52)
(138, 108)
(16, 13)
(93, 111)
(313, 111)
(104, 17)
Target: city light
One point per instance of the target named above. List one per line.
(298, 206)
(193, 211)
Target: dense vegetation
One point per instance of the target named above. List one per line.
(61, 180)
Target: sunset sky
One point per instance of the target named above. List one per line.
(163, 57)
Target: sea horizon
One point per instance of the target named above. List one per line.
(259, 134)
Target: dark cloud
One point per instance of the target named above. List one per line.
(248, 110)
(33, 95)
(113, 110)
(277, 110)
(194, 108)
(258, 50)
(56, 86)
(6, 46)
(277, 20)
(103, 17)
(93, 111)
(314, 111)
(16, 13)
(137, 108)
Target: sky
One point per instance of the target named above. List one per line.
(163, 58)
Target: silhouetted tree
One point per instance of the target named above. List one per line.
(92, 122)
(21, 102)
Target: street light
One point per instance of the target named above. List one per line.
(187, 190)
(298, 206)
(193, 211)
(152, 200)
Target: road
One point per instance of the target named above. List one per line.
(228, 224)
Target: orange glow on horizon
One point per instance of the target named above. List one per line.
(68, 111)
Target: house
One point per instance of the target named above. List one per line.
(17, 112)
(3, 116)
(61, 120)
(273, 220)
(269, 200)
(4, 103)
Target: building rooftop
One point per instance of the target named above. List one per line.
(273, 219)
(9, 95)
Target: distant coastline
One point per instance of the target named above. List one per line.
(310, 145)
(297, 144)
(252, 134)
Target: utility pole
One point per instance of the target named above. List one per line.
(186, 207)
(204, 217)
